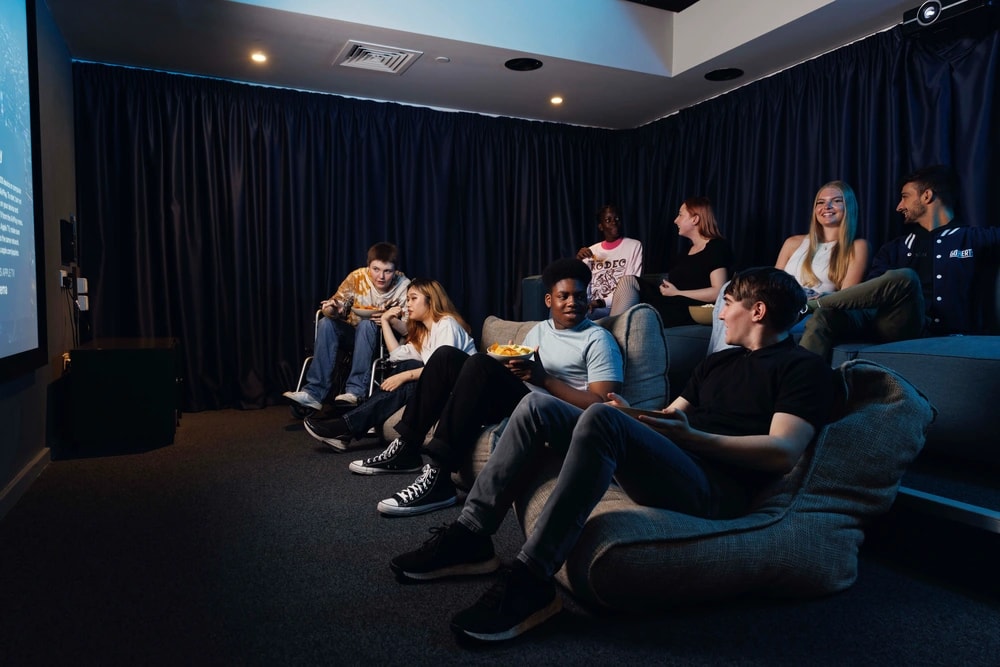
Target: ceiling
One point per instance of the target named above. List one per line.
(616, 63)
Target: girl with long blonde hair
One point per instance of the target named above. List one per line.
(828, 258)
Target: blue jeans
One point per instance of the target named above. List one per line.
(331, 335)
(382, 404)
(366, 345)
(600, 444)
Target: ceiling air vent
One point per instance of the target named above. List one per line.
(390, 59)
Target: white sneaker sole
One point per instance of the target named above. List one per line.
(359, 468)
(533, 621)
(386, 508)
(458, 570)
(339, 445)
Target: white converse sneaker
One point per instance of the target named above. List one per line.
(397, 458)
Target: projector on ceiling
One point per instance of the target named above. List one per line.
(939, 15)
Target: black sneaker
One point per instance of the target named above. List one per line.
(433, 490)
(516, 603)
(452, 551)
(333, 432)
(397, 458)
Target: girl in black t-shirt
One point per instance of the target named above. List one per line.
(695, 277)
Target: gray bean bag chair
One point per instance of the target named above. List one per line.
(802, 537)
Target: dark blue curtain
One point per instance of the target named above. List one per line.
(221, 213)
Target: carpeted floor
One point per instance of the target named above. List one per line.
(248, 543)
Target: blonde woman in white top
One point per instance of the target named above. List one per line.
(827, 259)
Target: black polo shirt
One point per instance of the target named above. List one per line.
(737, 391)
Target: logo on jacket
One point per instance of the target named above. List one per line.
(961, 254)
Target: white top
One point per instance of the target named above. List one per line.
(608, 266)
(820, 266)
(446, 331)
(578, 356)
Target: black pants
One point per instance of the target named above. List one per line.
(673, 310)
(462, 393)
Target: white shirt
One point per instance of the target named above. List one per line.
(820, 266)
(608, 266)
(446, 331)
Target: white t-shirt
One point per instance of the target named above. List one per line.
(446, 331)
(609, 265)
(579, 356)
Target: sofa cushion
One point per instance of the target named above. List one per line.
(961, 377)
(802, 537)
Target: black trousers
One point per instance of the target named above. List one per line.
(673, 310)
(462, 393)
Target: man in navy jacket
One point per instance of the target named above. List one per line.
(922, 283)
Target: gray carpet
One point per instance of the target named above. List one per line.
(248, 543)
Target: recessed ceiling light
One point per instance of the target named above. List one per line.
(724, 74)
(258, 57)
(556, 100)
(523, 64)
(442, 59)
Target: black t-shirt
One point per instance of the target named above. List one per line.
(737, 392)
(693, 271)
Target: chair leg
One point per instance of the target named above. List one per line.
(302, 375)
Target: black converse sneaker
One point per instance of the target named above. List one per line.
(397, 458)
(516, 603)
(333, 432)
(433, 490)
(453, 550)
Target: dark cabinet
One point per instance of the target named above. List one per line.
(124, 392)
